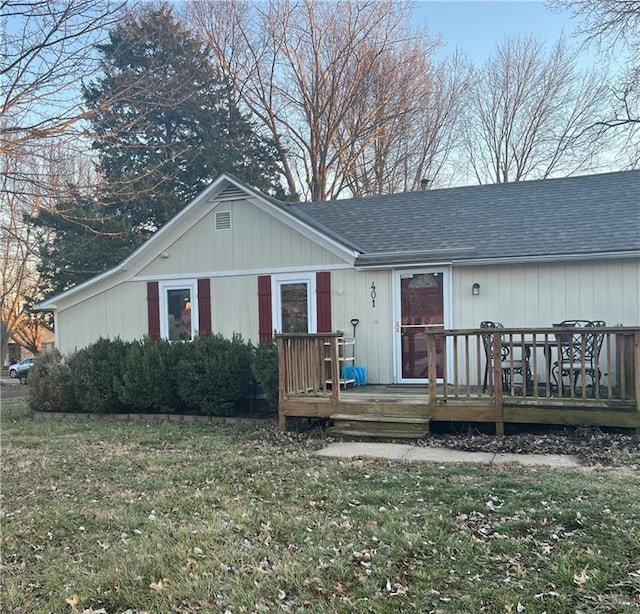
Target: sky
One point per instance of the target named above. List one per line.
(476, 26)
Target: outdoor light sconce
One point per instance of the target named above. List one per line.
(475, 289)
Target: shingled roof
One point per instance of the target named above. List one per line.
(568, 217)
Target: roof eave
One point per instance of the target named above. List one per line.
(386, 261)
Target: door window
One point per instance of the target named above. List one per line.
(294, 303)
(294, 307)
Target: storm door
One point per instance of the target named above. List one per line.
(420, 306)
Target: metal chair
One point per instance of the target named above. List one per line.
(508, 364)
(578, 355)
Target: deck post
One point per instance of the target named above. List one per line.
(282, 379)
(636, 371)
(497, 381)
(432, 369)
(335, 370)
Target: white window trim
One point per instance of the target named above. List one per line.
(276, 307)
(188, 284)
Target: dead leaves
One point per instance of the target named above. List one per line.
(158, 586)
(582, 577)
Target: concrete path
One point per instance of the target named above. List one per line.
(399, 451)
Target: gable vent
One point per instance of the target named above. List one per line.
(232, 193)
(223, 220)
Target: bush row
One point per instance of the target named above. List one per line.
(211, 375)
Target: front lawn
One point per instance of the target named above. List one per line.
(176, 517)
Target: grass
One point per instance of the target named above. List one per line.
(173, 517)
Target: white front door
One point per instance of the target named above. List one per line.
(421, 304)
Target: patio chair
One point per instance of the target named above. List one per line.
(508, 364)
(578, 354)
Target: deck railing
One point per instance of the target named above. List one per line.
(576, 366)
(308, 365)
(528, 368)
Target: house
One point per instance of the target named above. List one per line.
(525, 254)
(15, 352)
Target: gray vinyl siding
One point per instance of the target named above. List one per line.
(120, 311)
(541, 294)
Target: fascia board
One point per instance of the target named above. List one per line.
(391, 264)
(550, 258)
(404, 265)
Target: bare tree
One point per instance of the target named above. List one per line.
(529, 113)
(606, 20)
(331, 81)
(47, 48)
(416, 144)
(21, 283)
(614, 27)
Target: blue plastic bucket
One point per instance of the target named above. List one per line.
(357, 374)
(361, 376)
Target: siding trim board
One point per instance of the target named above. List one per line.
(248, 272)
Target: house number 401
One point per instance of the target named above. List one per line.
(373, 293)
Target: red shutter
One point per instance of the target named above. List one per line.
(153, 310)
(323, 301)
(204, 306)
(265, 322)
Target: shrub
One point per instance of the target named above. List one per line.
(96, 373)
(51, 385)
(265, 371)
(215, 374)
(149, 379)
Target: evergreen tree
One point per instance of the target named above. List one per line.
(85, 242)
(165, 126)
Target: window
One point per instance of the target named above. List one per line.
(294, 306)
(178, 311)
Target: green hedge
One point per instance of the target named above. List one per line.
(150, 377)
(265, 372)
(51, 384)
(96, 372)
(215, 374)
(211, 375)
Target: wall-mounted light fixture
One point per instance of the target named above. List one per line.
(475, 289)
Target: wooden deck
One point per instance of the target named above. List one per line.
(309, 363)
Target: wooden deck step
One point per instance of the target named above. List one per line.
(380, 418)
(376, 434)
(379, 426)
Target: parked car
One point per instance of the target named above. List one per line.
(24, 370)
(23, 365)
